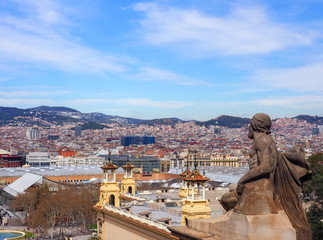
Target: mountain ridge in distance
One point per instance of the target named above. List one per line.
(52, 109)
(60, 114)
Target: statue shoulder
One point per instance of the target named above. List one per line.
(263, 141)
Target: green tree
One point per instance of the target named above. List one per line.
(314, 187)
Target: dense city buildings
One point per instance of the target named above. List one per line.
(217, 158)
(172, 145)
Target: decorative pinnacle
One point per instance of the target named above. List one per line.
(187, 164)
(195, 165)
(195, 162)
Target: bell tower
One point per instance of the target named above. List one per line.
(128, 183)
(183, 190)
(109, 190)
(195, 206)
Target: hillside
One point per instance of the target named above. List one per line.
(92, 125)
(311, 119)
(162, 121)
(52, 109)
(226, 121)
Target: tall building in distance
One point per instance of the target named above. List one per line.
(78, 131)
(32, 133)
(320, 129)
(217, 130)
(315, 131)
(137, 140)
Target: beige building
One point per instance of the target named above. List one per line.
(164, 165)
(128, 183)
(115, 224)
(195, 206)
(224, 160)
(214, 159)
(109, 190)
(201, 159)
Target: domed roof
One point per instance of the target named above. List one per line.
(128, 166)
(109, 166)
(186, 173)
(196, 176)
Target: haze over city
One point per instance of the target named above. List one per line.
(186, 59)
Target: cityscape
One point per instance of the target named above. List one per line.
(161, 120)
(39, 152)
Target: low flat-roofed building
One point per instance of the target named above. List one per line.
(38, 159)
(76, 161)
(146, 163)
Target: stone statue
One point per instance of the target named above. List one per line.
(273, 182)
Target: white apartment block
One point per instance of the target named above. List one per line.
(76, 161)
(38, 159)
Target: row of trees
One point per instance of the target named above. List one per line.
(314, 189)
(48, 210)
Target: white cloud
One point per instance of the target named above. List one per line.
(25, 101)
(245, 30)
(32, 93)
(41, 39)
(301, 79)
(140, 102)
(46, 11)
(302, 102)
(150, 103)
(155, 74)
(295, 102)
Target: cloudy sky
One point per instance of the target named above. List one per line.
(187, 59)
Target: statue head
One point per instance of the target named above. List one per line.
(260, 122)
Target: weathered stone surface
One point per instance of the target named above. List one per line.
(273, 182)
(257, 198)
(247, 227)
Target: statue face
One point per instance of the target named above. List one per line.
(251, 131)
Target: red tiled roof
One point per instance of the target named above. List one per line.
(186, 173)
(196, 176)
(109, 166)
(128, 166)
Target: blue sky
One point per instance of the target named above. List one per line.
(187, 59)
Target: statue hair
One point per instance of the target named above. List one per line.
(261, 122)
